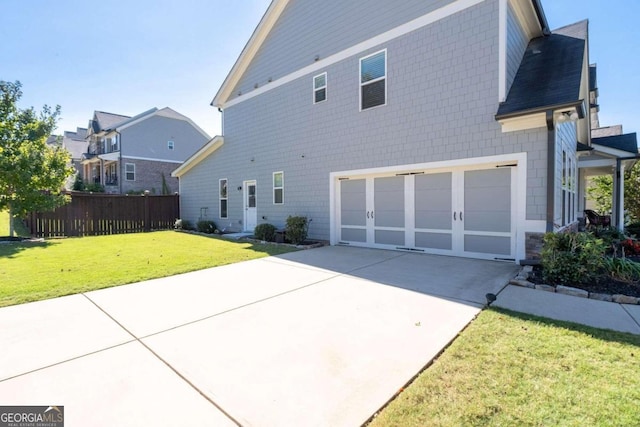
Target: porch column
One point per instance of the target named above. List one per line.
(102, 174)
(618, 196)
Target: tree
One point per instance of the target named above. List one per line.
(601, 192)
(32, 173)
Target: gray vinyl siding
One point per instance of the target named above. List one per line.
(148, 139)
(517, 42)
(442, 98)
(306, 29)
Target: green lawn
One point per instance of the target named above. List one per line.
(36, 271)
(508, 369)
(17, 224)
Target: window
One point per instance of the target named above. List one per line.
(114, 143)
(278, 188)
(320, 88)
(130, 171)
(170, 145)
(373, 76)
(222, 184)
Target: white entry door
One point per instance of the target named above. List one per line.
(458, 212)
(250, 206)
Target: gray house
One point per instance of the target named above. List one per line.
(439, 126)
(139, 153)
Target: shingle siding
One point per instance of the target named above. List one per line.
(442, 97)
(517, 42)
(305, 30)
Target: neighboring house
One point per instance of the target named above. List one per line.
(75, 143)
(134, 154)
(445, 127)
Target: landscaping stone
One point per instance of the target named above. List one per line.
(523, 283)
(624, 299)
(601, 297)
(567, 290)
(546, 288)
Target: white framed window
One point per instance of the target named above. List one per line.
(224, 197)
(320, 88)
(373, 80)
(130, 171)
(114, 143)
(278, 188)
(170, 145)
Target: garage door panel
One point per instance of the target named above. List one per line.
(389, 218)
(353, 202)
(487, 221)
(487, 178)
(354, 235)
(388, 237)
(488, 199)
(494, 245)
(389, 204)
(433, 201)
(434, 241)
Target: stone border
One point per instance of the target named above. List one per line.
(522, 279)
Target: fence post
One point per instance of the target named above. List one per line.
(147, 220)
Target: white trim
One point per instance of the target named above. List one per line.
(222, 99)
(211, 146)
(530, 121)
(611, 151)
(150, 159)
(361, 84)
(245, 202)
(502, 51)
(325, 87)
(519, 190)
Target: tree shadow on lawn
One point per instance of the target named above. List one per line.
(600, 334)
(10, 249)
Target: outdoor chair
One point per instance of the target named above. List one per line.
(596, 220)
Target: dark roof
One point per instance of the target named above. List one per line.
(550, 73)
(627, 142)
(583, 147)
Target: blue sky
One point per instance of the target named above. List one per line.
(128, 56)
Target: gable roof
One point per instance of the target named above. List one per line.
(165, 112)
(204, 152)
(628, 142)
(550, 74)
(103, 120)
(263, 29)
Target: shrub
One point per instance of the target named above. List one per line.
(78, 183)
(183, 224)
(296, 229)
(94, 188)
(265, 232)
(633, 229)
(631, 247)
(205, 226)
(571, 258)
(622, 269)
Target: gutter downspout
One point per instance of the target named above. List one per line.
(551, 170)
(119, 162)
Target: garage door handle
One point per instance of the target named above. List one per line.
(460, 216)
(455, 218)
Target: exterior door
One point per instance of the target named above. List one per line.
(250, 206)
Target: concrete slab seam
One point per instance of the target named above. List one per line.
(167, 364)
(66, 360)
(633, 319)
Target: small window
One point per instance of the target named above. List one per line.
(130, 171)
(170, 145)
(320, 88)
(278, 188)
(222, 184)
(373, 84)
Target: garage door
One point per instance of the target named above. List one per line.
(459, 212)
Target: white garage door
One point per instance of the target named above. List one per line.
(463, 212)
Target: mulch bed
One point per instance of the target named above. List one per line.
(603, 285)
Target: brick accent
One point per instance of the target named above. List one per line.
(149, 176)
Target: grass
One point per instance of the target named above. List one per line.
(19, 227)
(36, 271)
(508, 369)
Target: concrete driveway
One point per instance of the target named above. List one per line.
(316, 338)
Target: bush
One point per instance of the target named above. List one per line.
(296, 229)
(265, 232)
(183, 224)
(633, 229)
(622, 269)
(206, 226)
(631, 247)
(78, 183)
(94, 188)
(571, 258)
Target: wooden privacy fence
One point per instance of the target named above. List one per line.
(90, 214)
